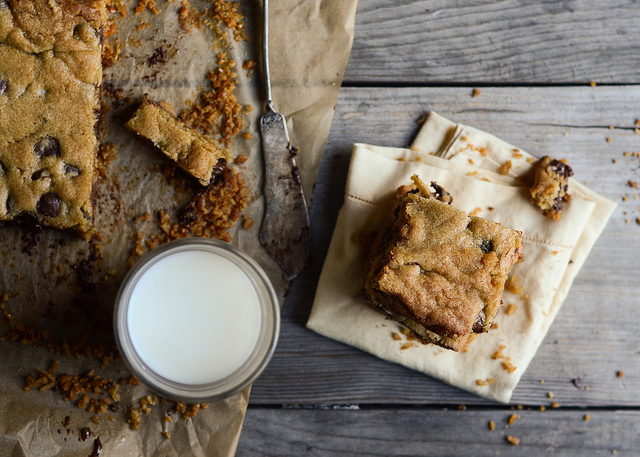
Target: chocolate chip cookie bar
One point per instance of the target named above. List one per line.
(437, 270)
(50, 78)
(193, 152)
(549, 190)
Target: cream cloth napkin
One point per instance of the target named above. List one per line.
(464, 161)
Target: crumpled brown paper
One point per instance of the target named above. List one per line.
(55, 282)
(464, 161)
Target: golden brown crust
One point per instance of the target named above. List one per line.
(193, 152)
(439, 271)
(49, 108)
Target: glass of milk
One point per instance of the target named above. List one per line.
(197, 320)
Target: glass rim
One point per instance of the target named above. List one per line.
(250, 369)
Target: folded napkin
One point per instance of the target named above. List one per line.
(465, 161)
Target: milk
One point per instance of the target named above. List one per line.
(194, 317)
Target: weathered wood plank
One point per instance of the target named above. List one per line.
(540, 41)
(428, 432)
(595, 334)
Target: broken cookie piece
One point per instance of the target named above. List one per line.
(437, 270)
(193, 152)
(549, 190)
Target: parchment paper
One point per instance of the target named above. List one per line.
(61, 287)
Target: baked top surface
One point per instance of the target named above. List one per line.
(192, 151)
(49, 104)
(441, 267)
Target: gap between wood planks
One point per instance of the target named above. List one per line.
(471, 84)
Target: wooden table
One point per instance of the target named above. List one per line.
(533, 62)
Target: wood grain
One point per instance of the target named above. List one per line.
(595, 334)
(434, 432)
(501, 41)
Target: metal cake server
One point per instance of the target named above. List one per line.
(285, 228)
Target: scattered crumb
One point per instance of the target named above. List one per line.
(476, 93)
(462, 407)
(550, 394)
(505, 168)
(507, 365)
(592, 84)
(587, 418)
(555, 404)
(633, 184)
(492, 425)
(511, 309)
(475, 212)
(614, 160)
(608, 139)
(396, 336)
(543, 408)
(166, 435)
(512, 419)
(620, 374)
(513, 286)
(499, 354)
(542, 381)
(481, 382)
(240, 159)
(611, 127)
(512, 440)
(490, 381)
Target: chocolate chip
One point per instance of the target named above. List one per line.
(3, 86)
(71, 170)
(28, 222)
(561, 168)
(486, 246)
(441, 194)
(76, 31)
(47, 147)
(44, 173)
(477, 326)
(85, 433)
(9, 203)
(49, 204)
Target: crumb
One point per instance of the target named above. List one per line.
(505, 168)
(396, 336)
(481, 382)
(462, 407)
(475, 212)
(508, 366)
(555, 404)
(219, 108)
(499, 354)
(543, 408)
(620, 374)
(490, 381)
(472, 173)
(511, 309)
(512, 440)
(592, 84)
(476, 93)
(147, 4)
(492, 425)
(512, 419)
(247, 222)
(608, 139)
(166, 435)
(587, 418)
(550, 394)
(189, 17)
(513, 286)
(614, 160)
(633, 184)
